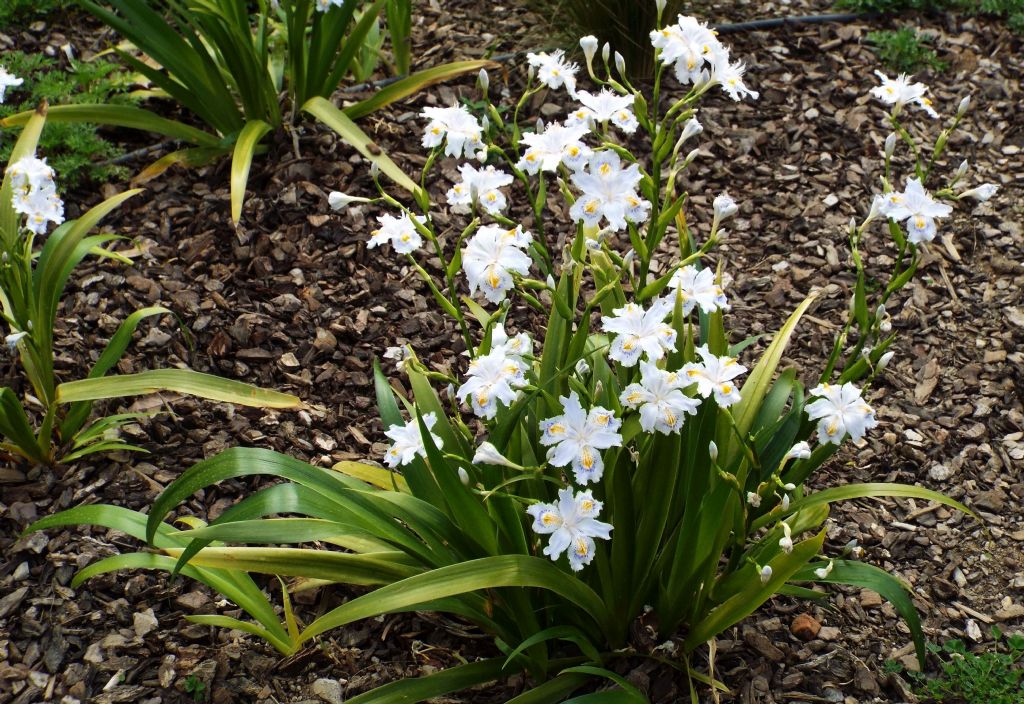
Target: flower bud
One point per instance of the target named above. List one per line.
(339, 201)
(713, 451)
(539, 125)
(589, 46)
(374, 170)
(463, 476)
(800, 451)
(582, 368)
(725, 207)
(620, 64)
(606, 51)
(484, 80)
(880, 311)
(785, 507)
(790, 486)
(961, 170)
(766, 574)
(965, 104)
(885, 327)
(691, 129)
(981, 193)
(823, 572)
(690, 157)
(890, 146)
(883, 361)
(660, 4)
(13, 339)
(488, 454)
(786, 542)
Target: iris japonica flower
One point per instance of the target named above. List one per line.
(400, 355)
(518, 346)
(840, 410)
(8, 80)
(480, 186)
(490, 258)
(917, 209)
(714, 377)
(554, 71)
(557, 144)
(491, 378)
(400, 232)
(325, 5)
(693, 47)
(900, 90)
(609, 192)
(698, 288)
(730, 77)
(408, 442)
(663, 406)
(639, 332)
(606, 106)
(572, 524)
(34, 193)
(456, 128)
(577, 436)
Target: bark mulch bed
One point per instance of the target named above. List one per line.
(292, 300)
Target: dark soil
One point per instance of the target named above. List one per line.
(293, 300)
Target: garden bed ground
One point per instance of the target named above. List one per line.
(293, 300)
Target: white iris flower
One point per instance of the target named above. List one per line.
(576, 437)
(491, 378)
(458, 126)
(34, 193)
(916, 209)
(572, 524)
(715, 376)
(8, 80)
(408, 443)
(400, 232)
(554, 71)
(840, 410)
(663, 406)
(557, 144)
(609, 192)
(900, 90)
(698, 288)
(482, 186)
(606, 106)
(639, 332)
(490, 258)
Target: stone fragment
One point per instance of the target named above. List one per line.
(805, 627)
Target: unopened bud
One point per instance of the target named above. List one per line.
(890, 146)
(965, 104)
(539, 125)
(981, 193)
(713, 451)
(660, 4)
(339, 201)
(961, 170)
(724, 207)
(589, 46)
(582, 368)
(463, 476)
(691, 129)
(620, 64)
(484, 80)
(766, 574)
(489, 454)
(883, 361)
(885, 327)
(606, 51)
(374, 170)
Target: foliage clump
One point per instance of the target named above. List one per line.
(905, 50)
(75, 150)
